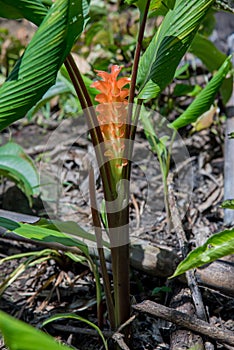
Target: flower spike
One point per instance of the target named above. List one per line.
(112, 112)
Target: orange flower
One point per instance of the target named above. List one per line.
(112, 112)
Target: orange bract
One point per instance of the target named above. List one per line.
(112, 112)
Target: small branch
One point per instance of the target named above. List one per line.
(190, 322)
(76, 330)
(196, 294)
(119, 338)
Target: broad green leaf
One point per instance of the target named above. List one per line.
(36, 72)
(217, 246)
(228, 204)
(21, 336)
(231, 135)
(44, 234)
(151, 90)
(160, 8)
(159, 62)
(70, 227)
(8, 224)
(204, 99)
(32, 10)
(78, 318)
(16, 165)
(208, 53)
(60, 88)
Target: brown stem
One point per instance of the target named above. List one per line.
(129, 133)
(119, 239)
(137, 53)
(98, 234)
(93, 124)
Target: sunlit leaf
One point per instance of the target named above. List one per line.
(159, 62)
(16, 165)
(217, 246)
(204, 99)
(36, 72)
(33, 10)
(44, 234)
(208, 53)
(21, 336)
(228, 204)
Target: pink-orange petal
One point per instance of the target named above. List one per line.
(115, 70)
(122, 82)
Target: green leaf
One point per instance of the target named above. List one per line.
(21, 336)
(70, 227)
(79, 318)
(32, 10)
(207, 52)
(217, 246)
(228, 204)
(16, 165)
(204, 99)
(44, 234)
(8, 224)
(60, 88)
(231, 135)
(159, 62)
(36, 72)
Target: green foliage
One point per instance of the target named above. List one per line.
(31, 259)
(204, 99)
(78, 318)
(37, 69)
(38, 232)
(228, 204)
(160, 61)
(217, 246)
(63, 89)
(33, 10)
(208, 53)
(20, 336)
(17, 166)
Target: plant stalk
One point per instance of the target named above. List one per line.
(98, 234)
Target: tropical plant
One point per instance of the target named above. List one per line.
(112, 125)
(17, 166)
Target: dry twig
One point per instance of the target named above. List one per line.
(190, 322)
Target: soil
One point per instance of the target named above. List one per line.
(59, 285)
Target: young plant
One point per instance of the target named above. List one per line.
(112, 125)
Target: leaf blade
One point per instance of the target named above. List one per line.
(161, 58)
(36, 72)
(204, 99)
(217, 246)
